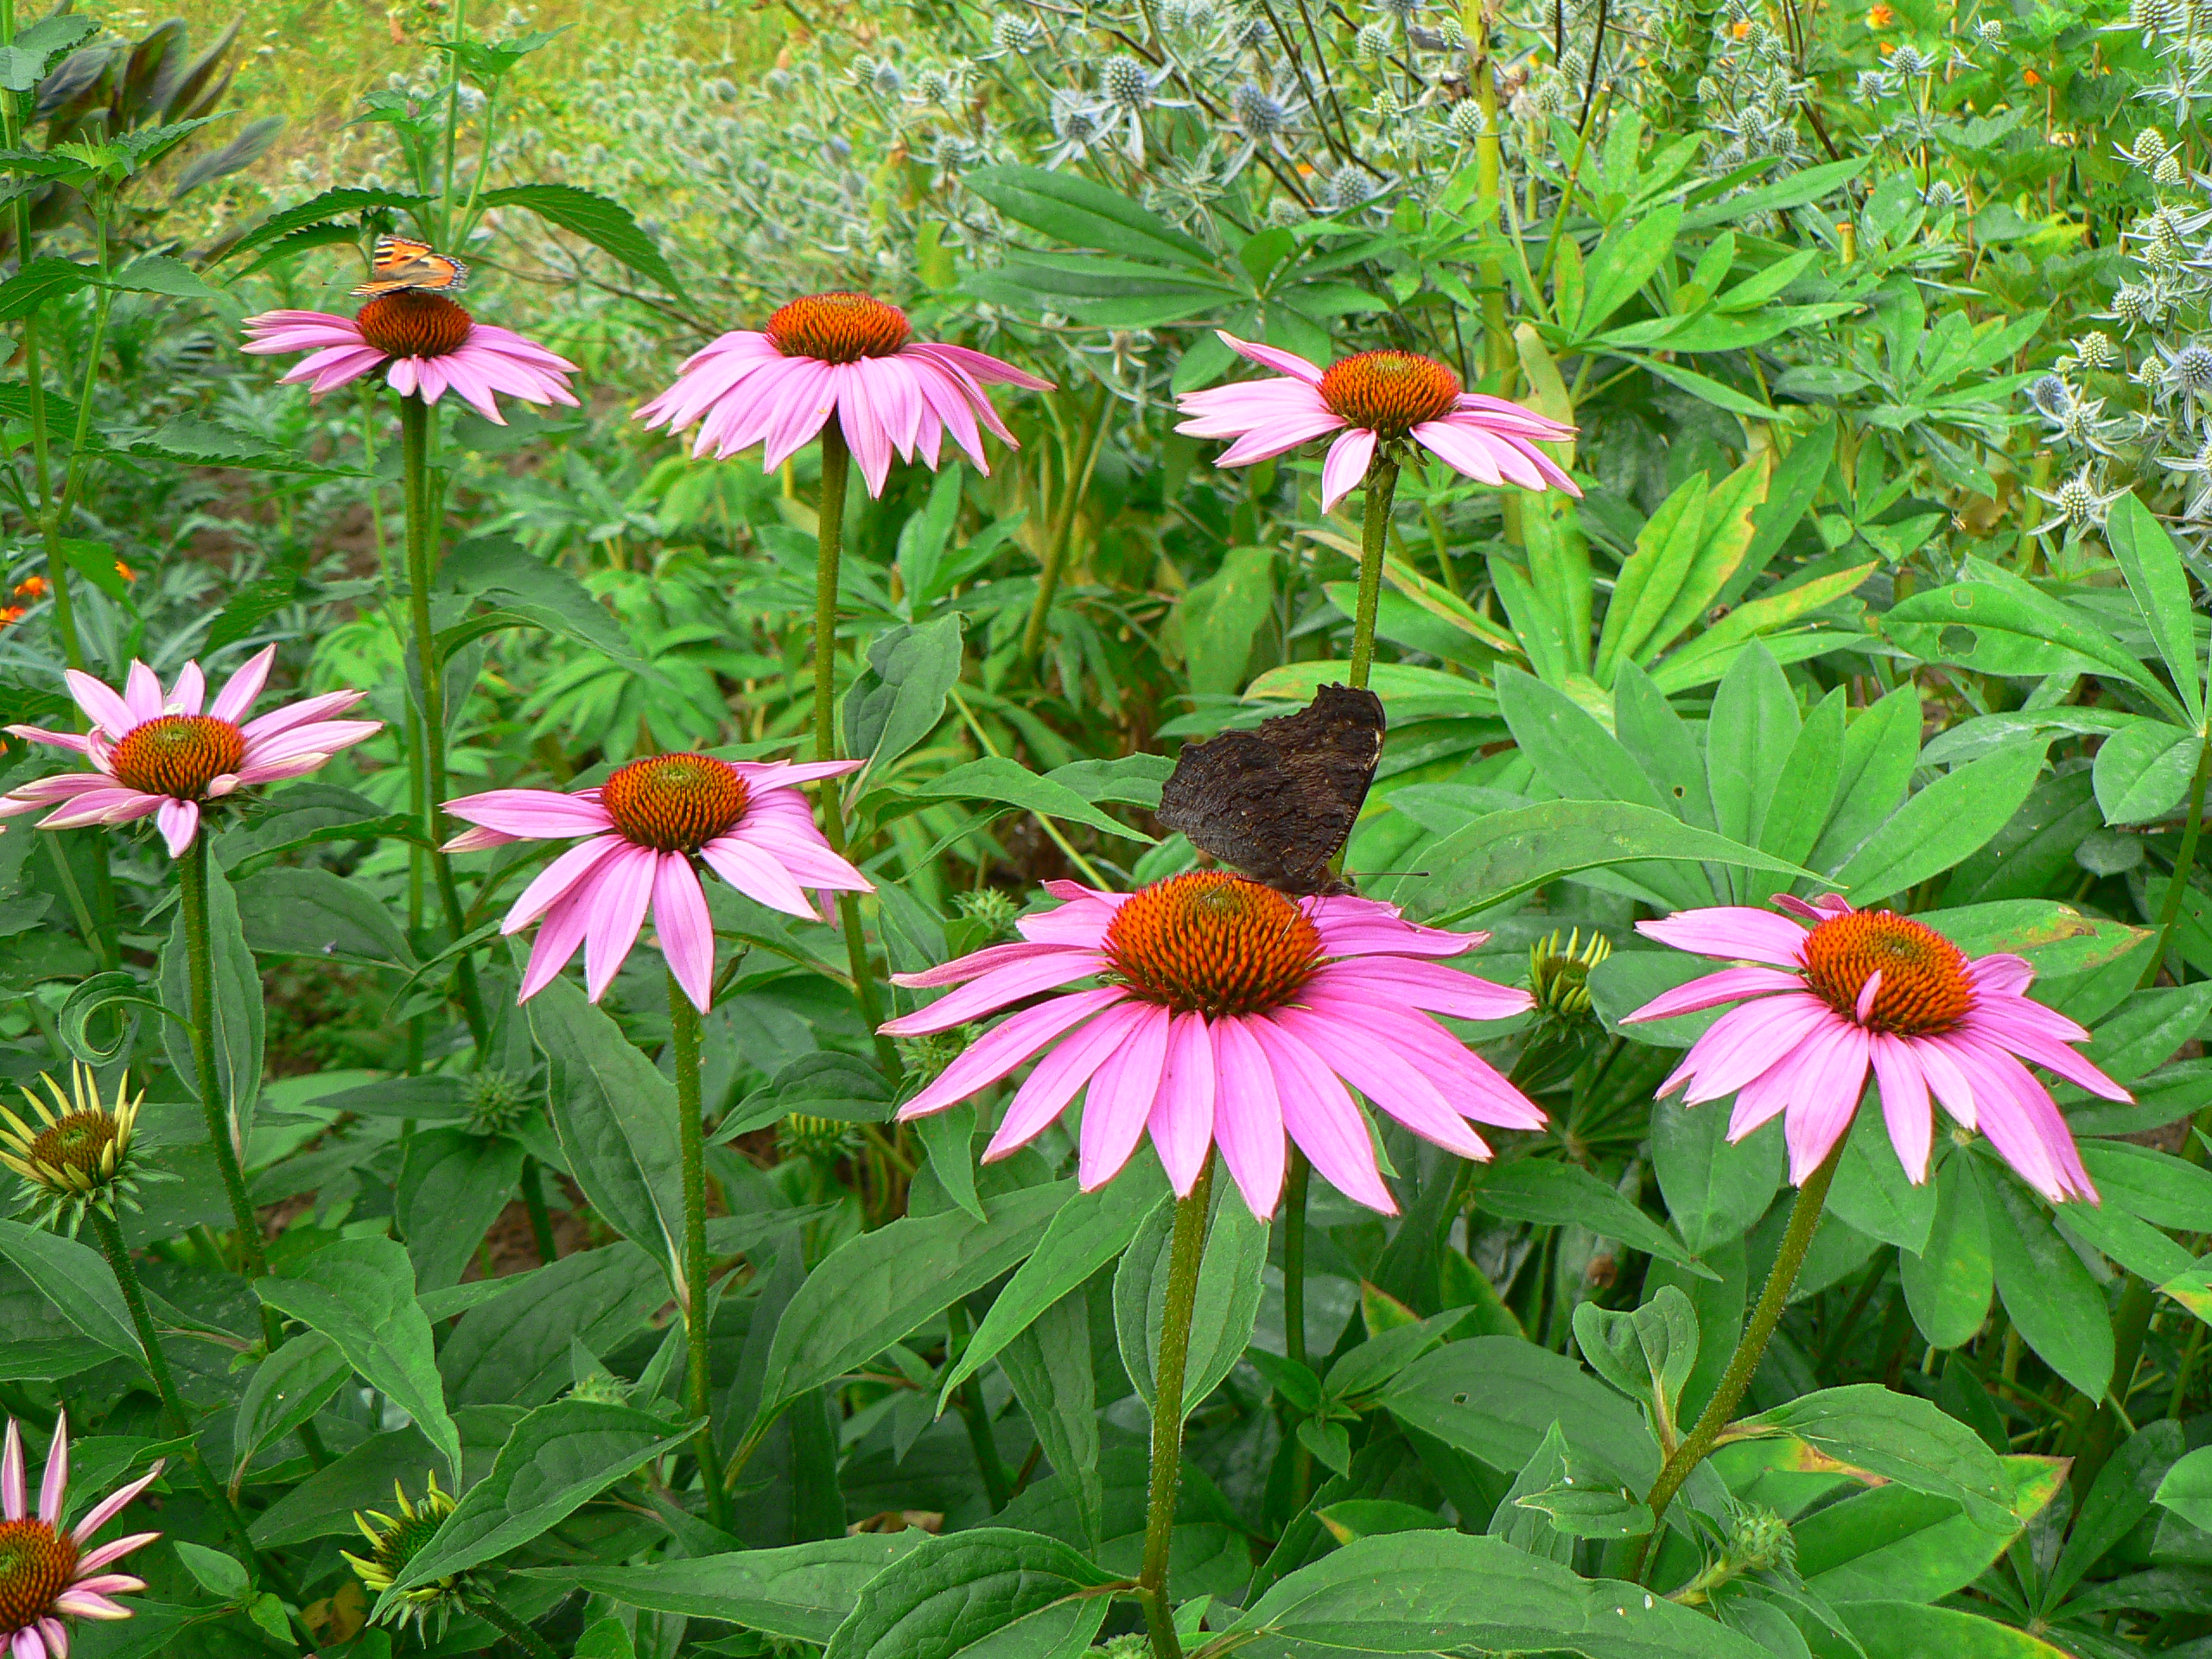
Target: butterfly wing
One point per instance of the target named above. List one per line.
(398, 264)
(1278, 802)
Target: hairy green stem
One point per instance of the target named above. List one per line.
(540, 1219)
(1796, 1239)
(430, 760)
(1293, 1257)
(1374, 537)
(683, 1023)
(836, 474)
(198, 954)
(513, 1628)
(1185, 1251)
(157, 1367)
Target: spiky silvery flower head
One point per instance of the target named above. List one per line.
(2149, 148)
(1388, 111)
(2094, 350)
(1465, 121)
(1014, 32)
(934, 86)
(1909, 61)
(1372, 43)
(2051, 394)
(1258, 113)
(886, 80)
(2133, 303)
(1126, 82)
(395, 1540)
(1454, 33)
(2189, 370)
(1249, 30)
(1872, 83)
(78, 1156)
(2077, 505)
(1990, 32)
(1944, 197)
(2169, 172)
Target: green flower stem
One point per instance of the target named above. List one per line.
(1293, 1257)
(998, 1486)
(1374, 537)
(157, 1367)
(1185, 1251)
(198, 954)
(836, 474)
(431, 758)
(540, 1219)
(513, 1628)
(1796, 1239)
(683, 1022)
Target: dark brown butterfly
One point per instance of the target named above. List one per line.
(1278, 802)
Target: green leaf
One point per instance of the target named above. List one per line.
(290, 912)
(530, 590)
(2164, 1190)
(515, 1347)
(1942, 823)
(1081, 213)
(451, 1187)
(75, 1279)
(606, 225)
(616, 1116)
(1228, 1299)
(1623, 262)
(1948, 1284)
(1050, 1365)
(286, 1390)
(1503, 855)
(874, 1289)
(361, 1294)
(237, 1036)
(1541, 1190)
(321, 210)
(1089, 1231)
(1647, 1353)
(2187, 1489)
(1748, 743)
(157, 273)
(2058, 1307)
(46, 277)
(1904, 1630)
(1221, 616)
(1893, 1542)
(995, 778)
(1795, 190)
(1425, 1593)
(2144, 769)
(188, 441)
(25, 63)
(1494, 1397)
(1871, 1431)
(2151, 564)
(1714, 1192)
(1872, 1193)
(803, 1593)
(951, 1596)
(324, 1502)
(557, 1460)
(897, 700)
(218, 1574)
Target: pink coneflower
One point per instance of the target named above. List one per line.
(425, 344)
(1230, 1016)
(746, 822)
(47, 1573)
(1376, 399)
(157, 754)
(1863, 987)
(845, 355)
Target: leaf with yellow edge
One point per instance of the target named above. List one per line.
(1441, 602)
(1705, 658)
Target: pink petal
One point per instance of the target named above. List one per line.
(1905, 1110)
(2009, 1025)
(28, 1644)
(55, 1483)
(240, 691)
(1830, 1085)
(1389, 1081)
(534, 813)
(1182, 1116)
(1272, 357)
(1275, 438)
(686, 932)
(997, 989)
(178, 821)
(974, 965)
(1346, 465)
(756, 875)
(1006, 1046)
(979, 365)
(559, 934)
(113, 1504)
(108, 711)
(1418, 985)
(1120, 1097)
(11, 1474)
(1052, 1082)
(618, 911)
(1733, 933)
(190, 688)
(93, 1559)
(1247, 1117)
(76, 743)
(1746, 1041)
(557, 879)
(1321, 1117)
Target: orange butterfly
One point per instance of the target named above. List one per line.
(400, 264)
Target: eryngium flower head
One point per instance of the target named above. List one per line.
(78, 1157)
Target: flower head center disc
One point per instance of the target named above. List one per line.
(413, 324)
(1390, 393)
(674, 803)
(1925, 986)
(838, 328)
(36, 1564)
(178, 755)
(79, 1142)
(1212, 942)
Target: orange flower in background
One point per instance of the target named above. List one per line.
(10, 615)
(1880, 16)
(1739, 31)
(31, 588)
(2031, 78)
(125, 571)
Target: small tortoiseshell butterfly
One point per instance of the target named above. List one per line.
(400, 264)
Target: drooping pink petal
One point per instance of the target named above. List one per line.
(1055, 1079)
(685, 930)
(560, 934)
(1346, 465)
(1731, 932)
(557, 879)
(974, 965)
(533, 813)
(1322, 1118)
(1830, 1087)
(2006, 1025)
(1120, 1099)
(1746, 1041)
(1711, 990)
(1272, 357)
(1181, 1121)
(1006, 1046)
(1906, 1112)
(978, 366)
(178, 821)
(995, 989)
(1427, 985)
(755, 874)
(1391, 1083)
(619, 900)
(1247, 1114)
(77, 742)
